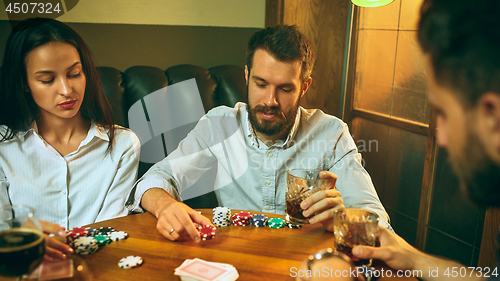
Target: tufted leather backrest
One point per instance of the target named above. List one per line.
(220, 85)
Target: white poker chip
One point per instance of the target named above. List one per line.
(222, 216)
(88, 251)
(130, 262)
(118, 235)
(84, 241)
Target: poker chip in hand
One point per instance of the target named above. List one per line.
(207, 231)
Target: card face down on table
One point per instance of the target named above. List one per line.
(198, 269)
(53, 270)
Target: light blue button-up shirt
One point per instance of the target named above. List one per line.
(82, 187)
(250, 175)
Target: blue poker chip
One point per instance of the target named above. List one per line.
(259, 220)
(92, 231)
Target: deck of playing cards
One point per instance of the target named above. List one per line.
(198, 269)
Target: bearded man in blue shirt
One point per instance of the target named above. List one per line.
(253, 145)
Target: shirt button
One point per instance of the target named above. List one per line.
(270, 154)
(63, 192)
(268, 182)
(268, 208)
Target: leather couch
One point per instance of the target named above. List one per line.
(220, 85)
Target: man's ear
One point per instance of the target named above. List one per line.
(306, 85)
(246, 74)
(489, 122)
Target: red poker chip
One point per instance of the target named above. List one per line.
(207, 231)
(80, 230)
(242, 218)
(241, 223)
(243, 215)
(75, 233)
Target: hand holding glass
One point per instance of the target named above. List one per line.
(300, 184)
(353, 226)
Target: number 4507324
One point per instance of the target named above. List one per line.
(33, 8)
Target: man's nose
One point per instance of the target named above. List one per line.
(272, 99)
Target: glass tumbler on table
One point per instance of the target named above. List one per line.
(300, 184)
(22, 243)
(353, 226)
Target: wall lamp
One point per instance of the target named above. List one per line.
(371, 3)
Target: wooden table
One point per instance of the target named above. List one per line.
(258, 253)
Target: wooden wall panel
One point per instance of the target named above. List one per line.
(324, 22)
(274, 12)
(489, 245)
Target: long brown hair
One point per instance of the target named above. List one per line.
(17, 109)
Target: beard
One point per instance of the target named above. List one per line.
(284, 123)
(479, 176)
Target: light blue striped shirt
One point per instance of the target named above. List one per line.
(83, 187)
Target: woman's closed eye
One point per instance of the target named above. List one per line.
(47, 81)
(76, 74)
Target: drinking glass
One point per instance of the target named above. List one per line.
(354, 226)
(300, 184)
(22, 243)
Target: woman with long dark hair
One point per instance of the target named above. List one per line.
(60, 151)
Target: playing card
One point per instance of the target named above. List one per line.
(57, 269)
(201, 270)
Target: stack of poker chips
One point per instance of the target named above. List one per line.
(242, 218)
(259, 220)
(222, 216)
(75, 233)
(85, 245)
(102, 240)
(87, 240)
(207, 231)
(276, 223)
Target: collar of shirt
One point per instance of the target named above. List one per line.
(94, 131)
(250, 131)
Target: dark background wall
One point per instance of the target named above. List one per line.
(125, 45)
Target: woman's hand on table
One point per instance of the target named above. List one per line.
(323, 203)
(55, 249)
